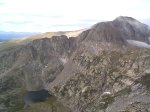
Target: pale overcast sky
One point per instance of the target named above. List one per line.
(58, 15)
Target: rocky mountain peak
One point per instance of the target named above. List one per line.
(125, 18)
(134, 24)
(118, 31)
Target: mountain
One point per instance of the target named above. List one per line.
(105, 62)
(103, 69)
(120, 30)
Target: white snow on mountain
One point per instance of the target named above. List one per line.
(139, 43)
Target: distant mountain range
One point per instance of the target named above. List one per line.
(4, 36)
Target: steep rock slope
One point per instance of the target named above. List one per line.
(105, 69)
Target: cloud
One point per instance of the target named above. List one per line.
(22, 14)
(18, 22)
(59, 25)
(2, 4)
(90, 20)
(31, 15)
(146, 21)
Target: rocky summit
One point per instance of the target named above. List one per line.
(104, 69)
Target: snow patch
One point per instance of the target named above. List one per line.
(94, 49)
(139, 43)
(46, 66)
(106, 94)
(63, 60)
(149, 39)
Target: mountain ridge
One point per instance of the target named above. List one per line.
(90, 72)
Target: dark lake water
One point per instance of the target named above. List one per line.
(41, 100)
(36, 96)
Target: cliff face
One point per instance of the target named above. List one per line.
(32, 66)
(96, 71)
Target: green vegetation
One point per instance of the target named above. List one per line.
(5, 46)
(11, 93)
(12, 100)
(146, 81)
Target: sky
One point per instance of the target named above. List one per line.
(66, 15)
